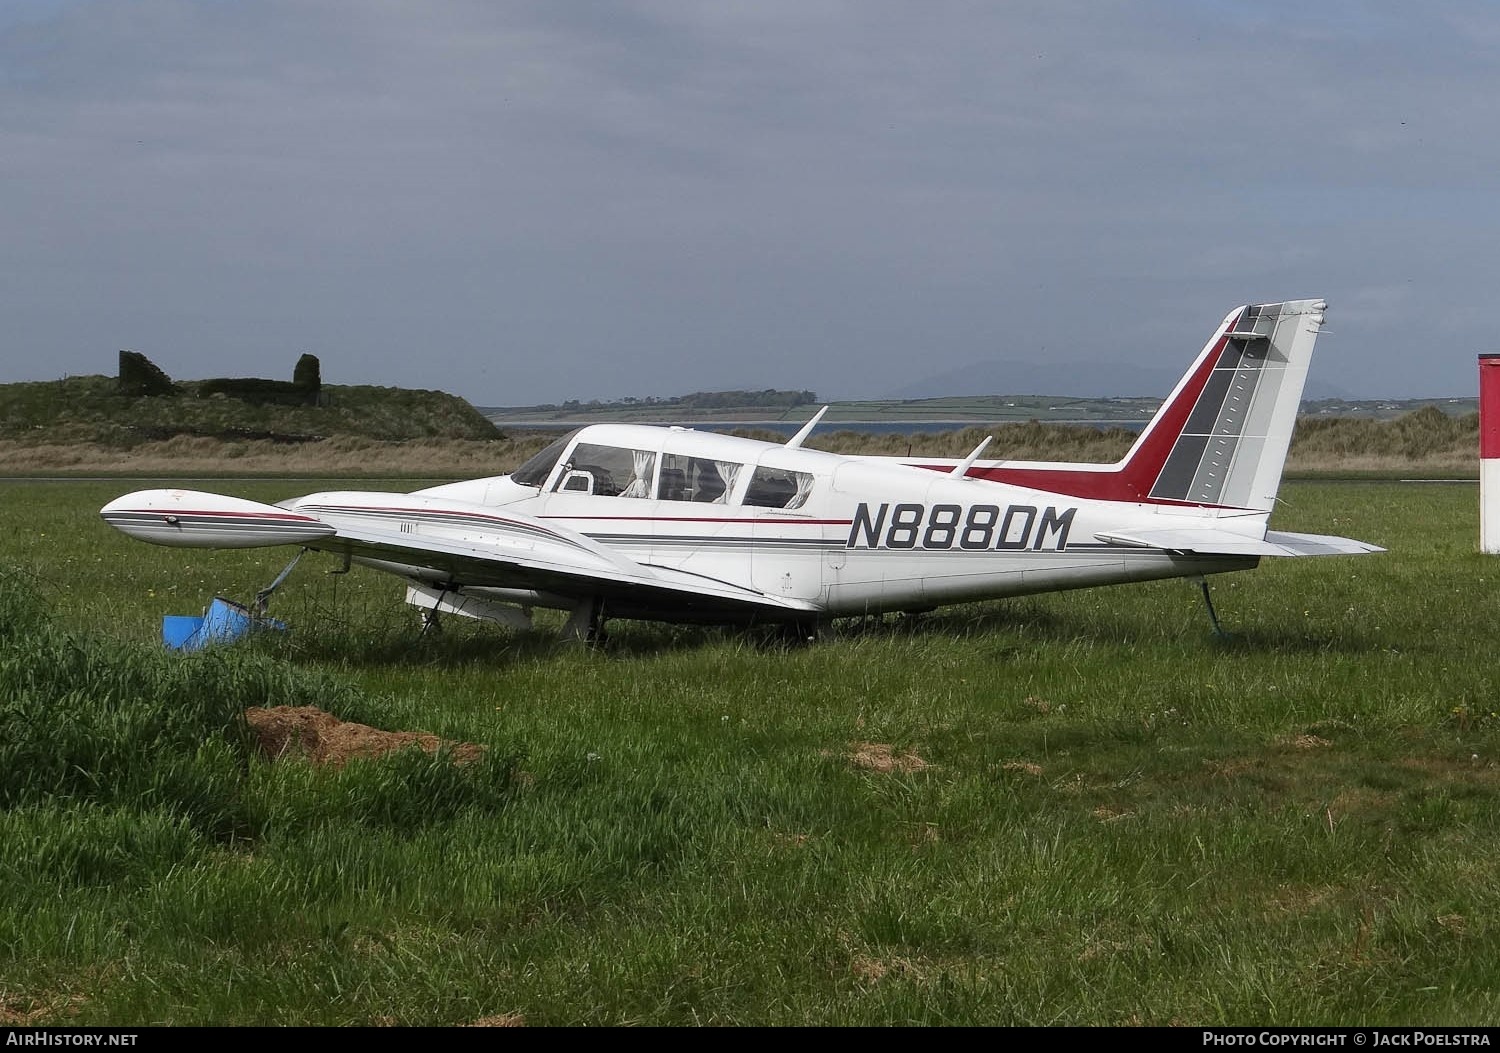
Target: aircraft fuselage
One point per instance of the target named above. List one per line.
(868, 536)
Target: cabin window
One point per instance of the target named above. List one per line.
(535, 471)
(699, 479)
(778, 488)
(608, 471)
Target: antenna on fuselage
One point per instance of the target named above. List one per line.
(962, 469)
(795, 442)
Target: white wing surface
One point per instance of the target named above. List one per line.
(448, 543)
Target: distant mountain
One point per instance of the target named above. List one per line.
(1072, 379)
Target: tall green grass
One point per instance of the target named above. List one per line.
(1122, 819)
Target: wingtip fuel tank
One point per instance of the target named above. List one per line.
(193, 519)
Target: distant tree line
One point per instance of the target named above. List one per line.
(139, 377)
(732, 399)
(769, 398)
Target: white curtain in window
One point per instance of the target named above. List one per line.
(640, 478)
(729, 471)
(804, 490)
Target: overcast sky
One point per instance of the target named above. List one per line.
(521, 202)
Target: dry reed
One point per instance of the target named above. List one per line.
(1425, 442)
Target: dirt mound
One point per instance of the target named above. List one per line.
(878, 756)
(1304, 742)
(37, 1011)
(502, 1020)
(306, 731)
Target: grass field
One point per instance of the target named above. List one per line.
(1081, 808)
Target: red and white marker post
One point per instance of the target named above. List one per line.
(1489, 453)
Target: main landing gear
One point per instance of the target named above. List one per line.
(586, 624)
(797, 634)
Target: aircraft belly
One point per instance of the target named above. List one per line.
(1112, 568)
(876, 579)
(405, 570)
(886, 580)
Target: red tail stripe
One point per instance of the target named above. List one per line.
(1133, 480)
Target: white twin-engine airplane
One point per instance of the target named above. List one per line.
(671, 524)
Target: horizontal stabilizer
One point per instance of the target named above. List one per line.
(1319, 544)
(1206, 541)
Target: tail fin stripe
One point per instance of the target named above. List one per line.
(1219, 459)
(1220, 439)
(1200, 461)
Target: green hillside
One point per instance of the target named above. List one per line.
(92, 409)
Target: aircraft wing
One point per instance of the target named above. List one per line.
(581, 576)
(1205, 541)
(440, 542)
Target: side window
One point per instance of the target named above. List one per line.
(608, 471)
(778, 488)
(699, 479)
(535, 471)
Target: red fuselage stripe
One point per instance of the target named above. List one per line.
(705, 519)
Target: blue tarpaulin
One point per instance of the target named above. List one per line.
(224, 622)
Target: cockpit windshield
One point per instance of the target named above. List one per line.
(535, 471)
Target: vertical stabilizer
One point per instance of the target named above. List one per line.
(1233, 446)
(1220, 439)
